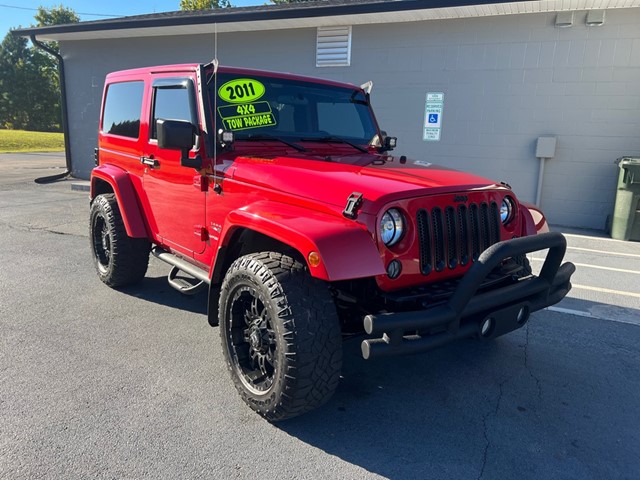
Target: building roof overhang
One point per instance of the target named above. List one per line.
(305, 15)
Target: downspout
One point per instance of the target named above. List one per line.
(63, 111)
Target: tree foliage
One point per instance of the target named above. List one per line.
(29, 84)
(55, 16)
(29, 99)
(204, 4)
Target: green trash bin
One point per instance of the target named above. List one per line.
(626, 214)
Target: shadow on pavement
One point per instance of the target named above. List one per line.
(157, 290)
(555, 399)
(551, 397)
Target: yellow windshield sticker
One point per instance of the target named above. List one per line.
(242, 117)
(228, 111)
(241, 90)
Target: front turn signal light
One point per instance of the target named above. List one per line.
(314, 259)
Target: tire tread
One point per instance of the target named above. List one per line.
(130, 256)
(314, 343)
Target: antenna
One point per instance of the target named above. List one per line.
(217, 187)
(215, 42)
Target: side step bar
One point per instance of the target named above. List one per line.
(183, 285)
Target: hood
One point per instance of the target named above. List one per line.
(380, 178)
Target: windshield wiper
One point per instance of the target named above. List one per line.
(335, 139)
(264, 136)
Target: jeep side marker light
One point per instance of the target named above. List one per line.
(314, 259)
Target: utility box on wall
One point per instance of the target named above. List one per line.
(546, 147)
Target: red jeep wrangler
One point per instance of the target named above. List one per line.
(277, 194)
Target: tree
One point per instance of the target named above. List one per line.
(14, 62)
(55, 16)
(48, 64)
(204, 4)
(29, 100)
(29, 84)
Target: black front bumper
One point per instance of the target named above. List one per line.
(467, 312)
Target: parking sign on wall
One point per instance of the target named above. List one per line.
(433, 107)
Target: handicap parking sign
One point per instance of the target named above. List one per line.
(433, 107)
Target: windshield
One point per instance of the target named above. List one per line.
(256, 106)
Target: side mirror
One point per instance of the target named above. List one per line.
(178, 135)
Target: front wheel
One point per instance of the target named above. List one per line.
(280, 335)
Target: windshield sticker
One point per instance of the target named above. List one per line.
(242, 117)
(229, 111)
(241, 90)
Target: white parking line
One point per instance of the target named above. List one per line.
(609, 316)
(606, 290)
(598, 267)
(570, 311)
(604, 252)
(606, 239)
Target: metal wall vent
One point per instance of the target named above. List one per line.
(333, 47)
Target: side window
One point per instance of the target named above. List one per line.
(122, 109)
(171, 103)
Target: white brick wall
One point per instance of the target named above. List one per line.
(507, 80)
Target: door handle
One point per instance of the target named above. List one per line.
(150, 161)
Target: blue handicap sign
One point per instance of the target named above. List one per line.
(433, 118)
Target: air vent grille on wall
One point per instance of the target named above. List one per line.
(333, 47)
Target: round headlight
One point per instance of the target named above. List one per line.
(506, 210)
(391, 227)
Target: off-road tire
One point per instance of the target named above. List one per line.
(523, 262)
(119, 259)
(280, 335)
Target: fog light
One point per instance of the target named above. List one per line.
(226, 137)
(393, 269)
(487, 327)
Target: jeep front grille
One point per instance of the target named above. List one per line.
(455, 236)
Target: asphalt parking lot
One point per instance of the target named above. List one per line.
(99, 383)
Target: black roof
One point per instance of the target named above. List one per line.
(318, 8)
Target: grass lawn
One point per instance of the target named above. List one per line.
(22, 141)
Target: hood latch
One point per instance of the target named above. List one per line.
(354, 202)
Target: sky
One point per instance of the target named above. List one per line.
(16, 13)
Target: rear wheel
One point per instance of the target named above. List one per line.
(119, 259)
(280, 335)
